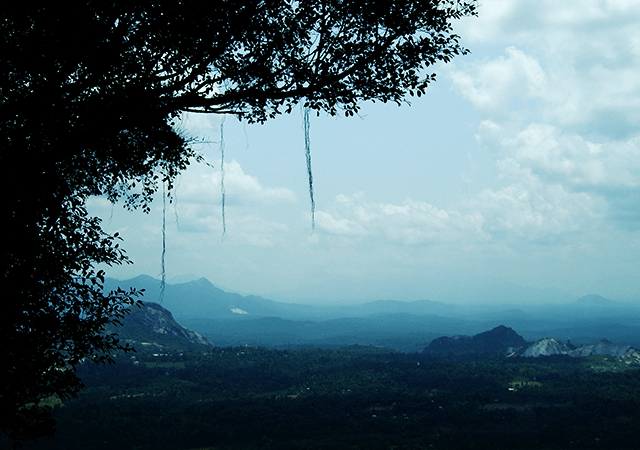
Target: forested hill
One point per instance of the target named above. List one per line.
(498, 340)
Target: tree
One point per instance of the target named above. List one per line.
(89, 98)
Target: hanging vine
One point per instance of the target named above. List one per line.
(307, 147)
(307, 151)
(222, 189)
(163, 272)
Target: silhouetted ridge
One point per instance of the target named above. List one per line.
(500, 339)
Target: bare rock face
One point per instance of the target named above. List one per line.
(159, 320)
(604, 347)
(550, 346)
(547, 347)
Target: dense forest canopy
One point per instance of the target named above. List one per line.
(355, 397)
(88, 100)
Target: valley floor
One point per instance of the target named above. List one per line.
(351, 398)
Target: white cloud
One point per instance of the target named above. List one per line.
(526, 210)
(602, 177)
(198, 206)
(561, 110)
(413, 223)
(533, 209)
(330, 224)
(586, 68)
(493, 86)
(576, 161)
(255, 231)
(203, 185)
(518, 21)
(194, 217)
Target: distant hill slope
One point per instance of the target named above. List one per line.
(501, 339)
(151, 323)
(593, 300)
(201, 299)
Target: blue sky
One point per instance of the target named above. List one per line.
(520, 167)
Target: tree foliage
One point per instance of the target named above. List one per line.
(355, 397)
(89, 97)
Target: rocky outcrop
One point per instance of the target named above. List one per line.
(546, 347)
(604, 347)
(159, 320)
(550, 346)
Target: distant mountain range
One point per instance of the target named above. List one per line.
(504, 340)
(448, 287)
(153, 325)
(201, 299)
(232, 319)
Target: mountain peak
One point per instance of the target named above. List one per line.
(202, 282)
(593, 300)
(499, 339)
(144, 279)
(499, 332)
(184, 278)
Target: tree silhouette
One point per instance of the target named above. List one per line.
(89, 95)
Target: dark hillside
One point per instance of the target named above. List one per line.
(498, 340)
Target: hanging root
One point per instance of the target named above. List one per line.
(222, 190)
(175, 206)
(307, 150)
(163, 272)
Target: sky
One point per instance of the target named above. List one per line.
(520, 169)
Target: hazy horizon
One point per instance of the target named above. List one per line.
(501, 296)
(520, 168)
